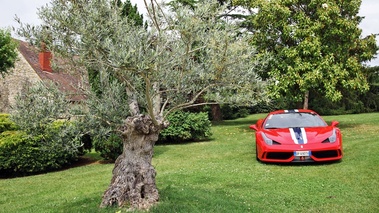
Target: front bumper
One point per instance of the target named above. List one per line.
(285, 154)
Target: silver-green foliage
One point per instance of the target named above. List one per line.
(186, 53)
(45, 138)
(42, 111)
(37, 106)
(103, 118)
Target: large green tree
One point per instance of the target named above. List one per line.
(184, 54)
(8, 52)
(316, 45)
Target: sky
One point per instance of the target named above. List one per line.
(26, 10)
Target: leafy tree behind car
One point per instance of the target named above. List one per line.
(316, 45)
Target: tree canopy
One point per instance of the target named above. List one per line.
(316, 46)
(8, 52)
(185, 53)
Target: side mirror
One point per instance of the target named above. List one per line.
(254, 127)
(257, 125)
(259, 122)
(334, 123)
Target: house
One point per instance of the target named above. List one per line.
(33, 66)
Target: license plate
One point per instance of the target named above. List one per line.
(302, 153)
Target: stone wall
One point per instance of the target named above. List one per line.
(21, 76)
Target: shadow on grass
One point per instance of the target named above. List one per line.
(163, 146)
(347, 125)
(240, 125)
(82, 161)
(85, 160)
(159, 150)
(237, 122)
(162, 143)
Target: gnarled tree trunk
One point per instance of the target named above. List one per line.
(133, 181)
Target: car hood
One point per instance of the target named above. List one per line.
(299, 135)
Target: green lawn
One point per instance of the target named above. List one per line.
(222, 175)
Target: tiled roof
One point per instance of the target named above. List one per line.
(68, 83)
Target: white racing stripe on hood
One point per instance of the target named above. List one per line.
(291, 110)
(298, 135)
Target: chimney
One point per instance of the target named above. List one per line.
(44, 58)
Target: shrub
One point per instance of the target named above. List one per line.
(22, 154)
(186, 126)
(230, 112)
(109, 147)
(48, 139)
(6, 124)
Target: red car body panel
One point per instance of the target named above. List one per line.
(313, 141)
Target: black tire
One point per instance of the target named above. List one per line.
(256, 153)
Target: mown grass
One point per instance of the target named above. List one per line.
(222, 175)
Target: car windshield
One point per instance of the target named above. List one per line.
(290, 120)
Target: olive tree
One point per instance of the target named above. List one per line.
(184, 55)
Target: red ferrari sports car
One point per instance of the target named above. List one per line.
(297, 136)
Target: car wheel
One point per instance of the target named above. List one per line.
(256, 152)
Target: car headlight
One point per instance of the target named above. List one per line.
(332, 138)
(267, 140)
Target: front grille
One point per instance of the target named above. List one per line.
(325, 154)
(279, 155)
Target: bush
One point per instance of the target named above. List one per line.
(22, 154)
(186, 126)
(230, 112)
(47, 139)
(110, 147)
(6, 124)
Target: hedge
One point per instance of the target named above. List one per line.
(109, 147)
(22, 153)
(186, 126)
